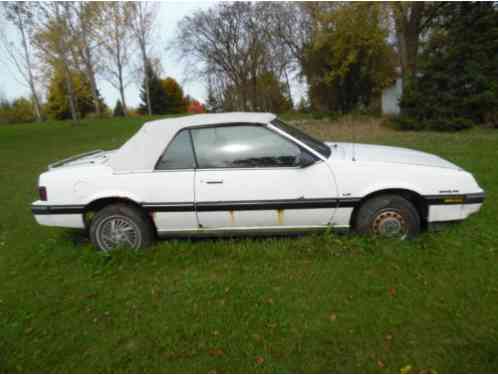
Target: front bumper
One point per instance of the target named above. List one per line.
(454, 207)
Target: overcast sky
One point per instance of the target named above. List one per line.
(169, 15)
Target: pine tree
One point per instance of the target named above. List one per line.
(118, 110)
(158, 95)
(458, 76)
(174, 99)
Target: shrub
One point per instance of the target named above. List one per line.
(438, 124)
(18, 111)
(118, 110)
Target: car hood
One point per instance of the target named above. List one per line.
(386, 154)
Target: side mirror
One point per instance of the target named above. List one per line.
(306, 159)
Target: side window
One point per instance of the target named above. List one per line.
(243, 146)
(178, 154)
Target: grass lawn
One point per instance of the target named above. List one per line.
(322, 303)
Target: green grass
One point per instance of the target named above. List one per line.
(323, 303)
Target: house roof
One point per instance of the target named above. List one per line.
(141, 151)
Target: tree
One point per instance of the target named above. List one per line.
(57, 103)
(54, 39)
(142, 16)
(117, 39)
(457, 81)
(412, 19)
(231, 44)
(194, 106)
(118, 110)
(83, 20)
(152, 93)
(20, 110)
(349, 61)
(20, 16)
(174, 100)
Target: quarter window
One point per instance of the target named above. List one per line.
(243, 146)
(178, 154)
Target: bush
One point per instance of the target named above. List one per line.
(118, 110)
(18, 111)
(451, 124)
(438, 124)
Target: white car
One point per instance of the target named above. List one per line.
(248, 172)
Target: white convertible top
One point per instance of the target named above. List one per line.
(141, 151)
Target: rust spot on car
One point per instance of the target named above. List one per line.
(231, 214)
(280, 216)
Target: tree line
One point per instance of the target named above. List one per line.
(248, 54)
(347, 53)
(63, 49)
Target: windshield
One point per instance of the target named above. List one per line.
(308, 140)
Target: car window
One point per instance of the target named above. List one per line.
(308, 140)
(243, 146)
(178, 154)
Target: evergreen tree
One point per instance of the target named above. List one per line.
(158, 95)
(118, 110)
(457, 83)
(57, 104)
(174, 99)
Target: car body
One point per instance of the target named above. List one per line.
(249, 172)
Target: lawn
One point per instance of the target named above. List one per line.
(321, 303)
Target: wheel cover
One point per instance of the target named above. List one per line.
(389, 223)
(118, 231)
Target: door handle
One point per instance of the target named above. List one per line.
(212, 182)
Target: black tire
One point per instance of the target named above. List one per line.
(388, 215)
(121, 225)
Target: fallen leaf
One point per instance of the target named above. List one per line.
(333, 317)
(216, 352)
(406, 369)
(259, 360)
(392, 292)
(380, 364)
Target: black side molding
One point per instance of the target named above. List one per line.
(436, 200)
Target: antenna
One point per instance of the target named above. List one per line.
(354, 141)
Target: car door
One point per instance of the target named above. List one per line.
(249, 176)
(170, 187)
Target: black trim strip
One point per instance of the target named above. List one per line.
(256, 205)
(169, 207)
(57, 210)
(437, 200)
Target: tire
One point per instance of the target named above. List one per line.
(388, 216)
(121, 225)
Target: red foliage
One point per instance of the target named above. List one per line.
(195, 107)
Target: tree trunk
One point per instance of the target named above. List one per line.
(93, 85)
(147, 86)
(407, 21)
(70, 90)
(34, 94)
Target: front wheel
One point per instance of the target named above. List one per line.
(388, 216)
(119, 225)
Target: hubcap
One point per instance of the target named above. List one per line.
(389, 223)
(118, 231)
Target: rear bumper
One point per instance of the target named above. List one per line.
(58, 216)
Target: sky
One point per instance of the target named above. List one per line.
(170, 13)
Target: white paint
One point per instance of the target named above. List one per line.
(128, 173)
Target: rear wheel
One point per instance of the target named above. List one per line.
(389, 216)
(121, 226)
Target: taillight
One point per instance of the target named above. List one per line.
(42, 190)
